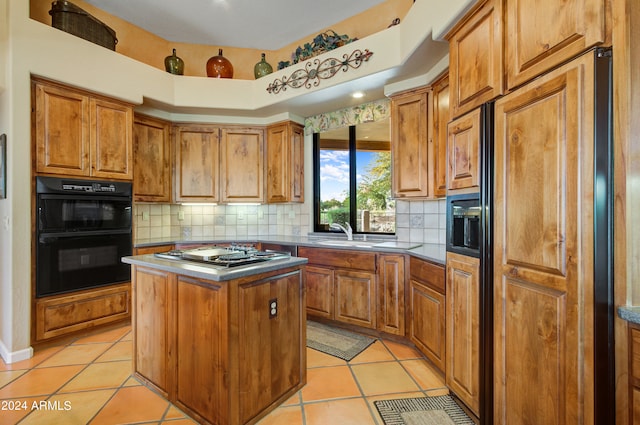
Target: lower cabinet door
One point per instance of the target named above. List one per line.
(427, 325)
(354, 295)
(319, 284)
(463, 329)
(391, 272)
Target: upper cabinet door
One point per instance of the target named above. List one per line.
(410, 148)
(197, 161)
(242, 165)
(152, 159)
(440, 121)
(61, 119)
(285, 163)
(475, 58)
(464, 151)
(541, 34)
(111, 139)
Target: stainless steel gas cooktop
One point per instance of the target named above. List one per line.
(232, 256)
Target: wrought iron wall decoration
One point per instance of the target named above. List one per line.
(317, 70)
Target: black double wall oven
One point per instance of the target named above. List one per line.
(83, 230)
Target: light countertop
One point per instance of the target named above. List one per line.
(431, 252)
(209, 271)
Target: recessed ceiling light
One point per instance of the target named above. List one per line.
(357, 95)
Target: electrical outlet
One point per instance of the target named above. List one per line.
(180, 215)
(292, 214)
(145, 216)
(273, 308)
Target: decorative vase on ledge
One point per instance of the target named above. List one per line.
(173, 64)
(219, 67)
(262, 68)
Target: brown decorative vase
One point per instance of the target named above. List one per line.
(219, 67)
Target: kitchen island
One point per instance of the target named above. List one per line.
(226, 345)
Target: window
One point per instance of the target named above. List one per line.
(354, 160)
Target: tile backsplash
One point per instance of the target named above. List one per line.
(416, 221)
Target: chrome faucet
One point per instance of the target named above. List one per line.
(346, 230)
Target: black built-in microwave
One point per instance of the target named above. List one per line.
(463, 224)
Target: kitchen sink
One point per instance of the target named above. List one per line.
(357, 244)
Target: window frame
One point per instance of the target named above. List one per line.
(353, 201)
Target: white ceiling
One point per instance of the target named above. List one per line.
(265, 25)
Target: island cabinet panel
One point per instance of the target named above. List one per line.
(391, 283)
(411, 150)
(319, 285)
(226, 352)
(196, 163)
(242, 165)
(355, 298)
(153, 327)
(285, 163)
(426, 305)
(80, 134)
(151, 160)
(463, 329)
(634, 369)
(476, 57)
(543, 249)
(201, 319)
(540, 35)
(270, 331)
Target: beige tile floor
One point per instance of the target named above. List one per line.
(88, 381)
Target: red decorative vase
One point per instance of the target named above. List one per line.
(219, 67)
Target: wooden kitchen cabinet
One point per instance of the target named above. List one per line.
(355, 297)
(543, 248)
(341, 285)
(201, 373)
(242, 165)
(464, 151)
(319, 284)
(463, 329)
(153, 295)
(391, 302)
(81, 134)
(411, 145)
(540, 35)
(476, 55)
(426, 310)
(215, 348)
(285, 163)
(65, 314)
(634, 373)
(197, 161)
(151, 160)
(152, 249)
(440, 121)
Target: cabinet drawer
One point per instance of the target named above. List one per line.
(152, 249)
(339, 258)
(61, 315)
(428, 273)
